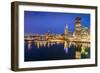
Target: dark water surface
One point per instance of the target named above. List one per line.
(54, 52)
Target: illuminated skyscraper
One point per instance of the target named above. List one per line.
(66, 31)
(78, 27)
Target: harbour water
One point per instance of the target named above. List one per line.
(53, 51)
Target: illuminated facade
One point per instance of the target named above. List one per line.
(78, 26)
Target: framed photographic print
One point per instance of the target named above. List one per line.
(52, 36)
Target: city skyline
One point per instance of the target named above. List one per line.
(42, 22)
(66, 32)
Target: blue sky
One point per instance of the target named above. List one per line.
(42, 22)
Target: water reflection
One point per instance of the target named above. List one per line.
(29, 44)
(66, 50)
(46, 50)
(45, 44)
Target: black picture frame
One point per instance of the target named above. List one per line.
(15, 39)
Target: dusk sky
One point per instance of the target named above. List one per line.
(42, 22)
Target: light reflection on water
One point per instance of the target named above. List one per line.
(66, 50)
(38, 51)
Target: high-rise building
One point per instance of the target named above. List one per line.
(66, 31)
(85, 33)
(78, 26)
